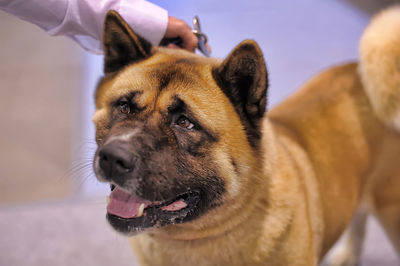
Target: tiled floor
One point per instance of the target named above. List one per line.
(39, 81)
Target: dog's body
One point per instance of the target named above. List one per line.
(222, 184)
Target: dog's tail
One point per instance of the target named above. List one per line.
(380, 65)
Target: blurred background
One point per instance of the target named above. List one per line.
(52, 207)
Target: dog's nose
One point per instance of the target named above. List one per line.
(115, 159)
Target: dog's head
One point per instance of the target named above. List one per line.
(178, 134)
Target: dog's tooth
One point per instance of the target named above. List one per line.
(108, 199)
(140, 211)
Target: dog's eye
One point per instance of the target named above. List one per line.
(184, 122)
(124, 108)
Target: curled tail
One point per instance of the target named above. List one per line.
(380, 65)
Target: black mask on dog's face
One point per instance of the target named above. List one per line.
(155, 180)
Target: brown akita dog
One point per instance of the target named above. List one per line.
(208, 178)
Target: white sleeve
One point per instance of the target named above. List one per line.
(82, 20)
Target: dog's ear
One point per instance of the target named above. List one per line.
(121, 45)
(243, 78)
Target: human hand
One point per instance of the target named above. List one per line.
(179, 28)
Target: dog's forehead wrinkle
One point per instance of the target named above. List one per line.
(167, 73)
(183, 68)
(133, 95)
(176, 105)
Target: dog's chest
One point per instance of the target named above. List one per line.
(179, 253)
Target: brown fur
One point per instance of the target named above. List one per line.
(289, 182)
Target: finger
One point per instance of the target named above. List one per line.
(179, 28)
(190, 41)
(173, 46)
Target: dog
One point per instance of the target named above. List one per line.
(202, 175)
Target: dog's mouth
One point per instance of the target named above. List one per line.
(130, 214)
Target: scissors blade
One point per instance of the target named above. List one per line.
(202, 46)
(202, 38)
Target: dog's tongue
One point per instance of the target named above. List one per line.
(125, 205)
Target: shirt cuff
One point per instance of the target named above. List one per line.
(146, 19)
